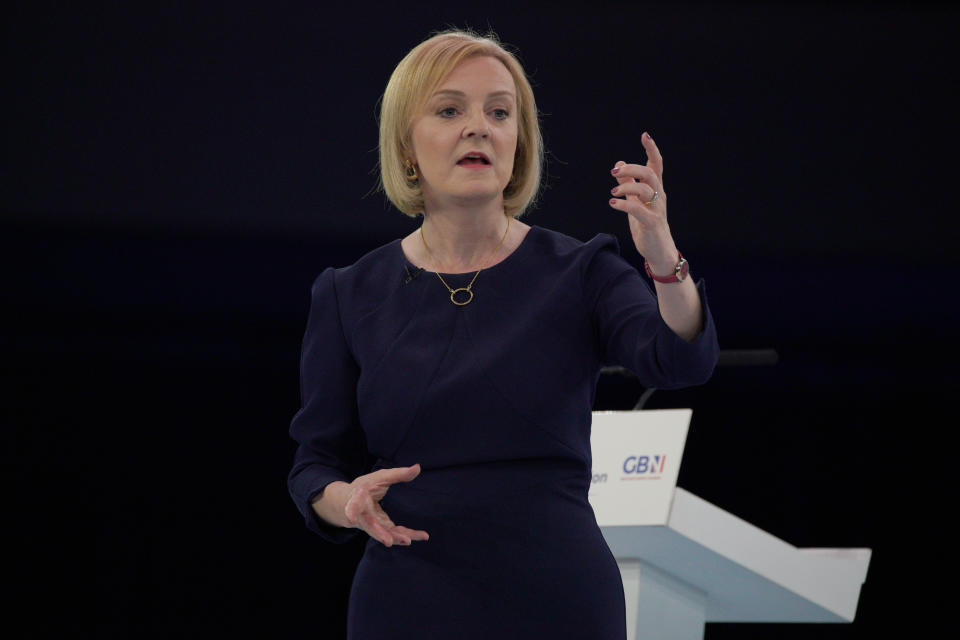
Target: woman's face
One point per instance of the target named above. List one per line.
(473, 109)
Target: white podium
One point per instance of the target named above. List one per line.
(685, 562)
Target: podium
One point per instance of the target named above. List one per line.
(685, 562)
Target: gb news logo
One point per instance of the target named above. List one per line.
(644, 467)
(637, 468)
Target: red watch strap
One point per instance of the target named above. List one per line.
(672, 277)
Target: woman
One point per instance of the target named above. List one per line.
(448, 377)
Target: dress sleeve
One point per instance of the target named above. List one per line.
(331, 444)
(629, 330)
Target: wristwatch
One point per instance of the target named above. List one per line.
(679, 274)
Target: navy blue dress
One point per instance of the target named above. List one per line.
(494, 400)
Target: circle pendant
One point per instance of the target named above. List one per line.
(453, 295)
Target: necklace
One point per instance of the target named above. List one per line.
(453, 292)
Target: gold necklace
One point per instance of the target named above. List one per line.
(453, 292)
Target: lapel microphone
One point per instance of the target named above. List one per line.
(411, 275)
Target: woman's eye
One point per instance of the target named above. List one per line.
(506, 114)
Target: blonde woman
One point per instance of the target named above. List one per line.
(448, 377)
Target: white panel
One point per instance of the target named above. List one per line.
(636, 460)
(691, 560)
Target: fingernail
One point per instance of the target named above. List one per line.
(615, 171)
(615, 190)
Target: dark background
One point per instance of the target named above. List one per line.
(176, 175)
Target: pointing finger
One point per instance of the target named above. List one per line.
(654, 159)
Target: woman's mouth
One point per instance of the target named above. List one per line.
(474, 163)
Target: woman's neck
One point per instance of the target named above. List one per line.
(459, 243)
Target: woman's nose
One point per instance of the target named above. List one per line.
(476, 124)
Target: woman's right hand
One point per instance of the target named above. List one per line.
(363, 508)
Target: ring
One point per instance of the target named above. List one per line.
(656, 194)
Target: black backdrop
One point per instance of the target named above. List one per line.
(175, 176)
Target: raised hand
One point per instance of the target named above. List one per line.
(646, 214)
(363, 508)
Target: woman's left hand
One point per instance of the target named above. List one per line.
(648, 220)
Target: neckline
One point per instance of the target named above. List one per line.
(517, 250)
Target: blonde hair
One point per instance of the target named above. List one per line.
(414, 79)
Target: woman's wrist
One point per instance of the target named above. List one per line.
(661, 252)
(664, 263)
(330, 504)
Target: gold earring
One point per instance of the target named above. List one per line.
(412, 175)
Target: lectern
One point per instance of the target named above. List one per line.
(685, 562)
